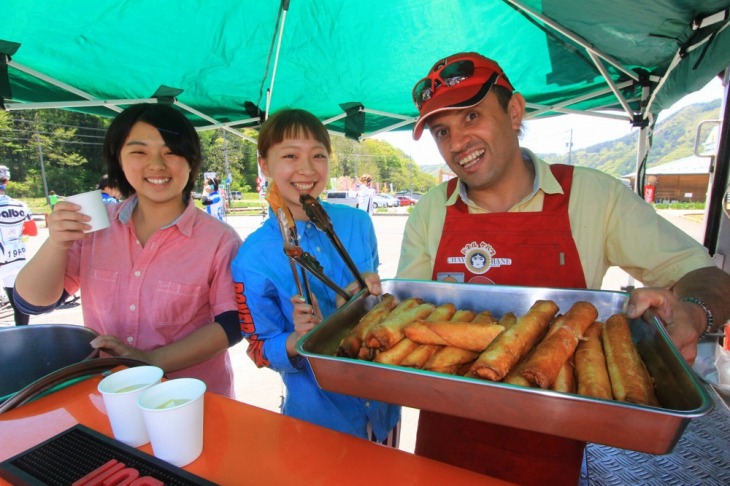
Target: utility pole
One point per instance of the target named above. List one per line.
(570, 147)
(43, 169)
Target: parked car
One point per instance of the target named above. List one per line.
(394, 202)
(236, 195)
(384, 201)
(348, 198)
(413, 195)
(406, 201)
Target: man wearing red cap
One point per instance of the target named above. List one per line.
(541, 225)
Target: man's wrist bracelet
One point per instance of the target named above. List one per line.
(705, 307)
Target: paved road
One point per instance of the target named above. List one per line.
(263, 387)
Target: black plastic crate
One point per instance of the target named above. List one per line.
(76, 452)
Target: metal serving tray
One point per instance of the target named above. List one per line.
(640, 428)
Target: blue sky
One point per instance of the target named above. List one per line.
(553, 135)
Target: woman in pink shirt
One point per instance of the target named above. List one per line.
(156, 285)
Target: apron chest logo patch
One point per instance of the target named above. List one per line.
(479, 258)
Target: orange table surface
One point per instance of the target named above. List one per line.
(242, 444)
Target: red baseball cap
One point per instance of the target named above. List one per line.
(458, 81)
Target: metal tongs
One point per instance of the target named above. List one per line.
(304, 259)
(319, 217)
(289, 234)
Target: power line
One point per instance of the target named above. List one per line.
(8, 139)
(33, 132)
(42, 122)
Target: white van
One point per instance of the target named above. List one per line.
(348, 198)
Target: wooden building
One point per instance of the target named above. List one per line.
(683, 180)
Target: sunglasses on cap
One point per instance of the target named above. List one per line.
(444, 76)
(451, 71)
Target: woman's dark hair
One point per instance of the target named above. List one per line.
(291, 123)
(177, 132)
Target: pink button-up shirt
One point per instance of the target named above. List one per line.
(153, 295)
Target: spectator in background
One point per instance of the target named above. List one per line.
(365, 194)
(212, 200)
(16, 221)
(109, 194)
(52, 199)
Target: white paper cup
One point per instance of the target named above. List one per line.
(173, 414)
(92, 205)
(120, 391)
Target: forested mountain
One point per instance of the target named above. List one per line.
(673, 139)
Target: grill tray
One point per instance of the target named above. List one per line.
(653, 430)
(77, 451)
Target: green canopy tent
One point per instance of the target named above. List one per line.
(222, 61)
(353, 64)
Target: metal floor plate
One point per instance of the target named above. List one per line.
(701, 457)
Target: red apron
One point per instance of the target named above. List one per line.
(535, 249)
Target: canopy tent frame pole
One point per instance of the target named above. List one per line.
(646, 127)
(389, 128)
(575, 38)
(270, 91)
(56, 83)
(681, 53)
(228, 124)
(215, 123)
(111, 104)
(561, 107)
(621, 99)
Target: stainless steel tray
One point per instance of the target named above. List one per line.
(640, 428)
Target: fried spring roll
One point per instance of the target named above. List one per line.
(421, 333)
(630, 381)
(508, 320)
(565, 381)
(463, 315)
(590, 365)
(397, 353)
(552, 352)
(511, 345)
(464, 368)
(444, 312)
(465, 335)
(369, 340)
(449, 359)
(484, 317)
(417, 331)
(351, 344)
(390, 331)
(420, 356)
(514, 377)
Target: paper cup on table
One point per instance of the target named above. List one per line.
(173, 414)
(92, 205)
(120, 391)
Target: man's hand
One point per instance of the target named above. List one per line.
(684, 321)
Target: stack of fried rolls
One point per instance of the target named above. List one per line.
(570, 352)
